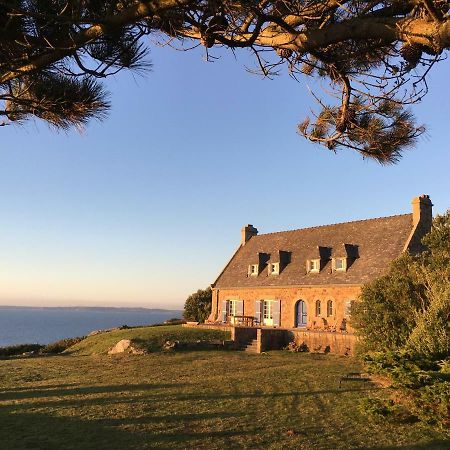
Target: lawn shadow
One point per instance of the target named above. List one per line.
(42, 431)
(61, 390)
(437, 444)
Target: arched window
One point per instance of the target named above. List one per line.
(329, 308)
(317, 308)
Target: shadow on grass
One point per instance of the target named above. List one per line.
(63, 390)
(437, 444)
(37, 430)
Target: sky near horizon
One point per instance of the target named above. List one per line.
(147, 206)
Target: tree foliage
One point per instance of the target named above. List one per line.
(198, 305)
(385, 314)
(371, 56)
(409, 307)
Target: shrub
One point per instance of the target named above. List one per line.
(432, 404)
(174, 321)
(431, 336)
(14, 350)
(385, 314)
(61, 345)
(198, 305)
(296, 348)
(378, 409)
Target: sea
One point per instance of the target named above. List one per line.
(29, 325)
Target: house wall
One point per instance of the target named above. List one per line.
(289, 296)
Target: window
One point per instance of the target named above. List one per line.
(348, 308)
(314, 265)
(253, 270)
(232, 307)
(274, 268)
(317, 308)
(329, 308)
(340, 264)
(267, 310)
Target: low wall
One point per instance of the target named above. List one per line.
(323, 341)
(206, 326)
(272, 339)
(242, 335)
(278, 338)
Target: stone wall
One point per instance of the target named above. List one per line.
(323, 342)
(272, 339)
(289, 296)
(242, 335)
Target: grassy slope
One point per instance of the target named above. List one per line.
(150, 337)
(208, 400)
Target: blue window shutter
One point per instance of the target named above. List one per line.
(258, 311)
(276, 305)
(240, 307)
(224, 311)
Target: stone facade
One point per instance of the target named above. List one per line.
(289, 296)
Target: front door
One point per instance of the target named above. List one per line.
(301, 316)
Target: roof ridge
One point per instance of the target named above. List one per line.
(333, 224)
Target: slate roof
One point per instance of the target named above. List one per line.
(378, 242)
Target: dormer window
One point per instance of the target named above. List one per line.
(274, 268)
(253, 270)
(314, 265)
(340, 264)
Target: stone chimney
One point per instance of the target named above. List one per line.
(247, 232)
(422, 213)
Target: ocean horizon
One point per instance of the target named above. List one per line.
(42, 325)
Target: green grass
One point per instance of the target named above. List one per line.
(152, 338)
(193, 400)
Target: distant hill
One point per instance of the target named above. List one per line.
(94, 308)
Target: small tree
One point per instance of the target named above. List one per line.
(198, 305)
(431, 335)
(409, 307)
(385, 315)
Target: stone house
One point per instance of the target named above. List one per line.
(307, 279)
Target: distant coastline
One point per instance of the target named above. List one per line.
(45, 324)
(95, 308)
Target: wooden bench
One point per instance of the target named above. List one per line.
(354, 376)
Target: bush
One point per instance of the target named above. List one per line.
(198, 305)
(60, 346)
(385, 314)
(15, 350)
(174, 321)
(378, 409)
(432, 404)
(297, 348)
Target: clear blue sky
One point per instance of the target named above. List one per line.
(147, 206)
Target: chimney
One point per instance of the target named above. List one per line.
(422, 212)
(247, 232)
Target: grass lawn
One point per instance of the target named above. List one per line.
(151, 338)
(195, 400)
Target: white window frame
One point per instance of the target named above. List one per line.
(348, 308)
(231, 307)
(267, 310)
(314, 265)
(344, 265)
(253, 270)
(274, 268)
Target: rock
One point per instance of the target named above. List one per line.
(170, 345)
(124, 346)
(93, 333)
(120, 347)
